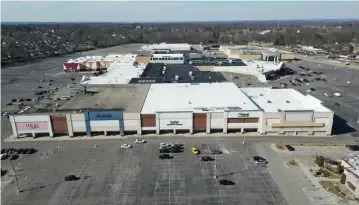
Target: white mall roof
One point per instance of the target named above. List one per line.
(178, 46)
(172, 55)
(216, 97)
(272, 100)
(262, 66)
(117, 73)
(87, 59)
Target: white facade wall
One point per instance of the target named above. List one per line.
(176, 121)
(30, 124)
(105, 125)
(167, 58)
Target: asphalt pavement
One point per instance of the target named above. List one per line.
(346, 108)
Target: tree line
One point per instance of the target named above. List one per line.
(21, 43)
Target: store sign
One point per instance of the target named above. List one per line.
(32, 126)
(104, 116)
(243, 114)
(174, 123)
(114, 115)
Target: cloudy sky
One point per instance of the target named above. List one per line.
(159, 11)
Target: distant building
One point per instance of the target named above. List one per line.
(351, 170)
(165, 46)
(312, 50)
(256, 53)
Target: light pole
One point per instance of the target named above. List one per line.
(15, 175)
(215, 161)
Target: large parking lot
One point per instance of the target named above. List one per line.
(347, 109)
(111, 175)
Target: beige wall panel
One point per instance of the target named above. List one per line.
(78, 117)
(216, 115)
(131, 116)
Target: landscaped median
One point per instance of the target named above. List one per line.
(332, 187)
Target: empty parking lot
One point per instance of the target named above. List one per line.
(111, 175)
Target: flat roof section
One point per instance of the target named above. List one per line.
(116, 74)
(154, 72)
(196, 97)
(273, 100)
(128, 98)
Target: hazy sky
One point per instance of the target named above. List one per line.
(144, 11)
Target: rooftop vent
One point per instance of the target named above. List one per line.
(269, 101)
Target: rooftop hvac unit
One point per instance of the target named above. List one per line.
(190, 62)
(164, 67)
(176, 77)
(163, 72)
(190, 73)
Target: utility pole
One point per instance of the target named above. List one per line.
(215, 161)
(15, 175)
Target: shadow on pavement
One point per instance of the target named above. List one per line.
(340, 126)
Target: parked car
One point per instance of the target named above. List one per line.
(164, 150)
(259, 160)
(324, 80)
(216, 152)
(3, 151)
(226, 182)
(14, 157)
(71, 178)
(30, 151)
(338, 94)
(195, 150)
(140, 141)
(337, 104)
(349, 82)
(20, 151)
(290, 148)
(352, 147)
(4, 156)
(327, 94)
(126, 146)
(206, 158)
(165, 156)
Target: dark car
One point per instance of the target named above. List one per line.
(324, 80)
(318, 79)
(176, 150)
(9, 104)
(164, 150)
(226, 182)
(71, 178)
(306, 81)
(207, 158)
(3, 151)
(19, 151)
(39, 87)
(312, 89)
(11, 151)
(352, 147)
(165, 156)
(290, 148)
(14, 157)
(307, 69)
(30, 151)
(216, 152)
(13, 100)
(259, 160)
(337, 104)
(25, 150)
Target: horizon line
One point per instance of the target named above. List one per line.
(209, 21)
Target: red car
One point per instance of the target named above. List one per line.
(207, 158)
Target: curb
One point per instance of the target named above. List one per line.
(319, 145)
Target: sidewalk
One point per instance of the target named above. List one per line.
(102, 137)
(319, 191)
